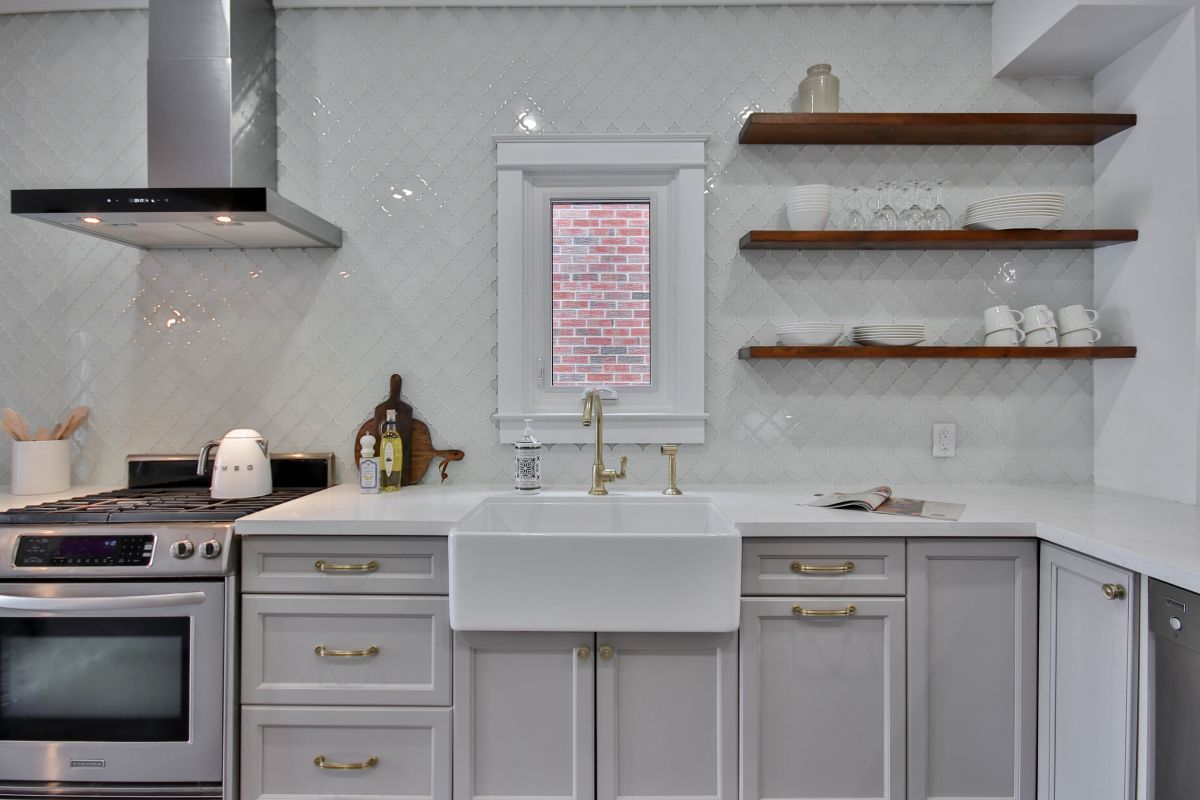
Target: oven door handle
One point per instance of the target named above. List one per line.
(121, 602)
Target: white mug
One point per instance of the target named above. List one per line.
(1005, 337)
(1085, 337)
(1000, 317)
(1074, 318)
(1038, 316)
(1041, 337)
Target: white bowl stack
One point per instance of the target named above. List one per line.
(888, 335)
(808, 206)
(808, 333)
(1015, 211)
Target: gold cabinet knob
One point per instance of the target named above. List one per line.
(605, 652)
(1113, 591)
(583, 653)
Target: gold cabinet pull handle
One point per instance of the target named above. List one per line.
(605, 652)
(325, 652)
(325, 566)
(1113, 591)
(848, 611)
(801, 568)
(583, 653)
(323, 764)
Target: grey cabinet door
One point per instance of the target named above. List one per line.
(1087, 677)
(822, 699)
(972, 669)
(666, 716)
(524, 716)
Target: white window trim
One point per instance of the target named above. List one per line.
(528, 168)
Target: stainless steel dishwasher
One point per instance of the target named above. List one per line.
(1175, 627)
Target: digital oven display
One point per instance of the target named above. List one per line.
(84, 551)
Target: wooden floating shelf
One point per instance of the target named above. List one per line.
(937, 240)
(982, 129)
(932, 351)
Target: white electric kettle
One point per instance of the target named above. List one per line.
(241, 468)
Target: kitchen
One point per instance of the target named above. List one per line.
(388, 120)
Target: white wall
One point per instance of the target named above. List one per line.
(1146, 414)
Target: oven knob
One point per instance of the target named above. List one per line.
(210, 549)
(1176, 623)
(182, 549)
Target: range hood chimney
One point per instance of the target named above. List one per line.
(210, 81)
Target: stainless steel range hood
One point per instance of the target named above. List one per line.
(212, 143)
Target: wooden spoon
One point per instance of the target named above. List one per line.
(73, 421)
(15, 425)
(42, 434)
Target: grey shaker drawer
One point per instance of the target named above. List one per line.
(823, 566)
(345, 564)
(383, 753)
(373, 650)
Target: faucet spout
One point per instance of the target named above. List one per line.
(593, 409)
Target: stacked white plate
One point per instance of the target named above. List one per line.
(808, 206)
(808, 333)
(1014, 211)
(896, 335)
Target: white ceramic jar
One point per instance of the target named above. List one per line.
(41, 467)
(818, 91)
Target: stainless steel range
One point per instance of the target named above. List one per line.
(115, 614)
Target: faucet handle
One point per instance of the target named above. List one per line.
(621, 475)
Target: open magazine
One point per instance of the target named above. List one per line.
(880, 501)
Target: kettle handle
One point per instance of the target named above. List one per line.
(202, 461)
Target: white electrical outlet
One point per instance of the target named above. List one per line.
(945, 435)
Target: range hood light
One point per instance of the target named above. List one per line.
(91, 220)
(224, 219)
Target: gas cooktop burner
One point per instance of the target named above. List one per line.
(146, 505)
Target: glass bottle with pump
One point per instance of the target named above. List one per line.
(391, 455)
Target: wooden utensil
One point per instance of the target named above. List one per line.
(404, 424)
(74, 419)
(15, 425)
(42, 434)
(424, 452)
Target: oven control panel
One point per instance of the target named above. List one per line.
(123, 550)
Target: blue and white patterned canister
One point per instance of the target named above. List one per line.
(527, 462)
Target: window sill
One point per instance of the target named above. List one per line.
(619, 428)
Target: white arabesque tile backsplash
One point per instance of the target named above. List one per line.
(386, 118)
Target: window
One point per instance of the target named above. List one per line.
(601, 273)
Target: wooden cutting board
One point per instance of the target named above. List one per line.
(404, 424)
(419, 451)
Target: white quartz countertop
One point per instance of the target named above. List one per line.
(1155, 537)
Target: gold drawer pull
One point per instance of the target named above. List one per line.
(323, 764)
(800, 568)
(848, 611)
(1113, 591)
(325, 652)
(325, 566)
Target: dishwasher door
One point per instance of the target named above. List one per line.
(1175, 627)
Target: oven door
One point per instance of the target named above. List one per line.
(111, 682)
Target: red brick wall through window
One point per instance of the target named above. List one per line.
(601, 312)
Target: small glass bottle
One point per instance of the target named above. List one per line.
(818, 91)
(391, 455)
(527, 462)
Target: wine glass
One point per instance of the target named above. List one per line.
(929, 220)
(853, 220)
(912, 217)
(883, 216)
(941, 215)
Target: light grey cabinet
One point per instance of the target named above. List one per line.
(666, 716)
(823, 698)
(524, 716)
(972, 669)
(319, 753)
(1087, 678)
(799, 567)
(580, 716)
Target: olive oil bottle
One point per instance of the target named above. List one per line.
(391, 455)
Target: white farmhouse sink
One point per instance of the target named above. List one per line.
(607, 564)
